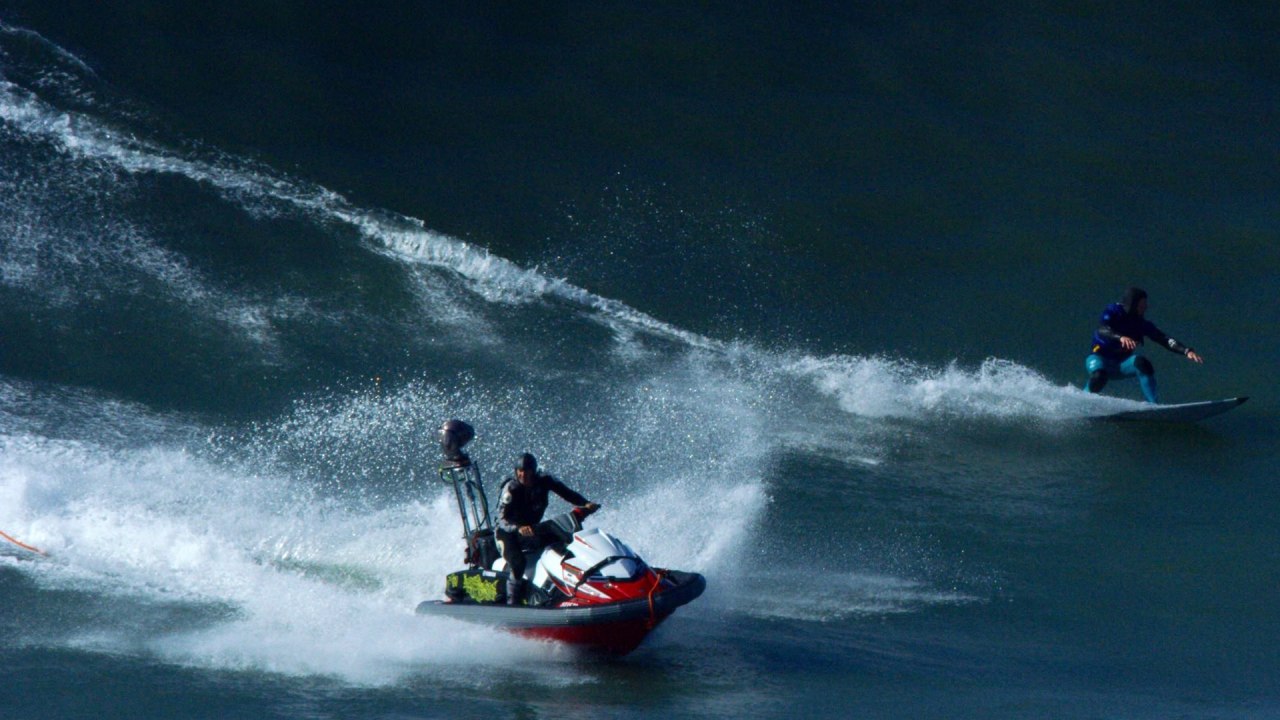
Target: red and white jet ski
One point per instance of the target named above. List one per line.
(590, 590)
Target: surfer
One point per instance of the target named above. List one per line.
(1116, 341)
(520, 510)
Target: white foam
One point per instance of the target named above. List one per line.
(312, 587)
(879, 387)
(679, 525)
(296, 579)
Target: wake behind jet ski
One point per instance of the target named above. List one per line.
(585, 587)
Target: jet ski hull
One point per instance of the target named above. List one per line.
(615, 627)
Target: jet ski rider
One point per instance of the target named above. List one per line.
(520, 510)
(1115, 344)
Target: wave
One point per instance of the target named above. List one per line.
(98, 146)
(871, 387)
(299, 542)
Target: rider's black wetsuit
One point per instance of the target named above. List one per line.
(524, 505)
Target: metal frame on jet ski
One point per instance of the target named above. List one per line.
(591, 590)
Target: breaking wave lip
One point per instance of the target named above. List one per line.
(63, 54)
(495, 278)
(263, 192)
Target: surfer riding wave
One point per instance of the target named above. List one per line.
(1116, 341)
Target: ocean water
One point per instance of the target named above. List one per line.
(799, 293)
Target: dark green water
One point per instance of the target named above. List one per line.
(800, 293)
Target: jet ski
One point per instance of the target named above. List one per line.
(588, 589)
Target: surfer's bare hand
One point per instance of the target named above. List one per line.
(1194, 357)
(526, 530)
(1128, 343)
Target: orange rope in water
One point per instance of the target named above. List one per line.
(21, 544)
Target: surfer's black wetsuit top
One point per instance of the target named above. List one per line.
(520, 505)
(1120, 320)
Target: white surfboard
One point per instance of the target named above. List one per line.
(1181, 412)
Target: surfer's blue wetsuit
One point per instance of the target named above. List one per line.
(1110, 359)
